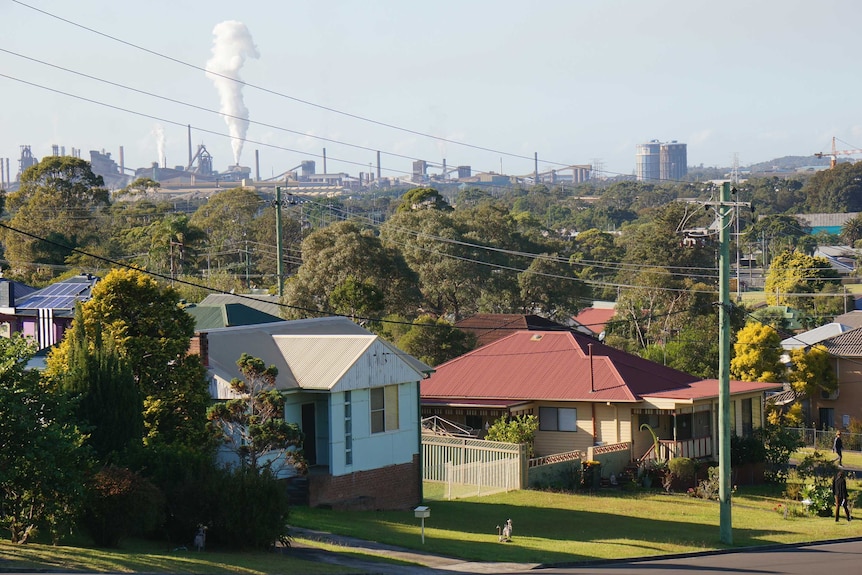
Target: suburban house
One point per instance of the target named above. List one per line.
(596, 317)
(488, 327)
(43, 314)
(263, 302)
(836, 410)
(585, 393)
(227, 315)
(354, 395)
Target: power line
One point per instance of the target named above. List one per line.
(281, 94)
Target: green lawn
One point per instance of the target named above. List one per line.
(552, 527)
(851, 459)
(548, 528)
(148, 557)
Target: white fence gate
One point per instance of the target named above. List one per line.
(470, 467)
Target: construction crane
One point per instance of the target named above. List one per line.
(833, 156)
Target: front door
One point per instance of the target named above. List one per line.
(309, 444)
(827, 418)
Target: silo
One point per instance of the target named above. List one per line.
(674, 161)
(648, 166)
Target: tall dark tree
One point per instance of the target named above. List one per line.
(100, 382)
(152, 333)
(42, 461)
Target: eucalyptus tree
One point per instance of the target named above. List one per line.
(345, 253)
(228, 219)
(53, 213)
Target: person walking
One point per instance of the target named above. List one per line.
(838, 447)
(839, 488)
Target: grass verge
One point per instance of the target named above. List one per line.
(148, 557)
(562, 528)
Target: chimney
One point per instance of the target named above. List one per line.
(7, 293)
(199, 345)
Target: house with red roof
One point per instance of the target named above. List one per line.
(595, 318)
(585, 393)
(488, 327)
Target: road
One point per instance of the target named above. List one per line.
(831, 557)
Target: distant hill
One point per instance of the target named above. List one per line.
(788, 164)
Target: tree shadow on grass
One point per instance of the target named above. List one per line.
(467, 529)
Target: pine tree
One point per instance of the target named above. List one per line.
(109, 403)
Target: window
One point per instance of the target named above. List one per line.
(384, 409)
(348, 429)
(747, 418)
(558, 419)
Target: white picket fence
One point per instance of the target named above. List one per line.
(470, 467)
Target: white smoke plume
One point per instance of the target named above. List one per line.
(159, 133)
(232, 44)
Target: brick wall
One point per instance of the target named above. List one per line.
(200, 345)
(389, 488)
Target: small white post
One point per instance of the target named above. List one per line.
(422, 512)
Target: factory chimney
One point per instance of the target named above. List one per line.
(190, 147)
(378, 164)
(324, 161)
(536, 168)
(257, 165)
(122, 162)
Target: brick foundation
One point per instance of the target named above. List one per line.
(389, 488)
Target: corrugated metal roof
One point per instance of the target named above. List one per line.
(815, 335)
(319, 362)
(708, 388)
(595, 318)
(550, 366)
(261, 302)
(226, 315)
(309, 354)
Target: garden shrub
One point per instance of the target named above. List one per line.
(120, 503)
(190, 480)
(679, 469)
(708, 488)
(252, 512)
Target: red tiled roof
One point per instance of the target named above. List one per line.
(595, 318)
(708, 388)
(549, 366)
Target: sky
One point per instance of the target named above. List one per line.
(493, 81)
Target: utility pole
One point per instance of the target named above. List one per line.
(724, 306)
(278, 247)
(725, 208)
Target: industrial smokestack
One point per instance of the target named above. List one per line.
(536, 168)
(378, 164)
(232, 44)
(191, 157)
(324, 161)
(257, 165)
(2, 174)
(122, 162)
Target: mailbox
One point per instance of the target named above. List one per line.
(422, 512)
